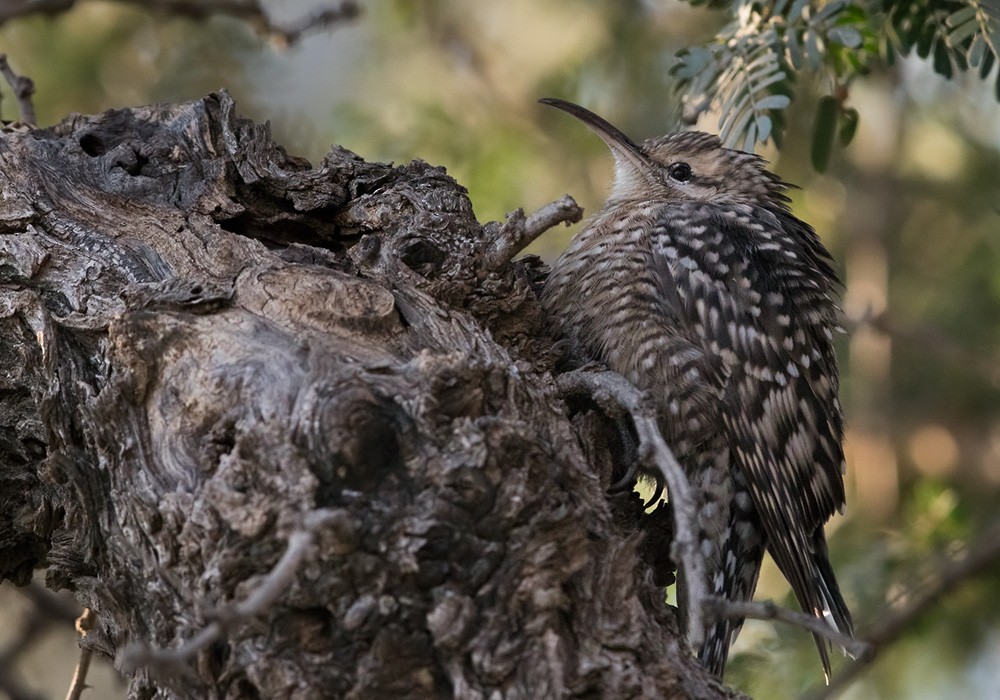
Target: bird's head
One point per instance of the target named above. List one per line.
(685, 166)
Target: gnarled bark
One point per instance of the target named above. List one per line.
(229, 376)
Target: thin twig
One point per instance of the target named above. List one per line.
(287, 34)
(249, 11)
(609, 389)
(18, 8)
(931, 339)
(84, 624)
(719, 608)
(270, 589)
(23, 88)
(975, 561)
(519, 230)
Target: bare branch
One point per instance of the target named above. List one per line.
(974, 561)
(84, 624)
(274, 584)
(249, 11)
(519, 230)
(719, 608)
(934, 340)
(60, 608)
(19, 8)
(23, 88)
(19, 637)
(613, 392)
(288, 34)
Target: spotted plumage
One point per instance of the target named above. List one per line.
(697, 284)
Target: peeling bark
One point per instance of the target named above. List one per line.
(209, 347)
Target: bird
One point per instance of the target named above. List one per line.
(697, 283)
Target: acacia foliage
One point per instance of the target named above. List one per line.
(747, 71)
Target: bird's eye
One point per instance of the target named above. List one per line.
(680, 172)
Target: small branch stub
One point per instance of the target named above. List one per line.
(23, 88)
(519, 230)
(84, 624)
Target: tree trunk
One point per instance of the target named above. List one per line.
(299, 425)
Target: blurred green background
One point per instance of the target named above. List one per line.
(911, 211)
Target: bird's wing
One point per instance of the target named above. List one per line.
(750, 294)
(755, 296)
(616, 300)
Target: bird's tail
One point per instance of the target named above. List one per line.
(833, 608)
(741, 558)
(738, 580)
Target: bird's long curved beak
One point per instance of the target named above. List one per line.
(621, 145)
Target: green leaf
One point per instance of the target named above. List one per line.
(917, 31)
(692, 61)
(829, 10)
(751, 139)
(848, 126)
(964, 25)
(823, 134)
(796, 12)
(960, 17)
(762, 65)
(853, 14)
(812, 48)
(793, 49)
(845, 36)
(772, 102)
(959, 60)
(925, 41)
(732, 133)
(942, 60)
(986, 66)
(763, 127)
(762, 78)
(889, 43)
(965, 14)
(977, 49)
(736, 103)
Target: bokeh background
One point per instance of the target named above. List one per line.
(911, 211)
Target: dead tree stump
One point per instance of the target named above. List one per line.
(298, 426)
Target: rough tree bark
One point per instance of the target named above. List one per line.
(227, 376)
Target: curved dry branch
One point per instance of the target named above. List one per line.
(980, 557)
(518, 231)
(161, 662)
(612, 391)
(719, 608)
